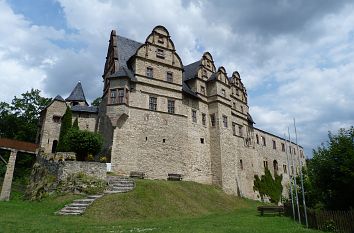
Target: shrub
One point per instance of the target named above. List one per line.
(267, 186)
(103, 159)
(83, 143)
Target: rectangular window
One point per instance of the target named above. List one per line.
(241, 164)
(171, 106)
(194, 116)
(234, 128)
(203, 118)
(257, 138)
(160, 53)
(149, 72)
(242, 109)
(153, 103)
(169, 77)
(120, 96)
(204, 72)
(202, 140)
(274, 145)
(224, 121)
(212, 120)
(264, 141)
(240, 130)
(237, 92)
(282, 147)
(290, 149)
(202, 90)
(234, 105)
(113, 96)
(294, 151)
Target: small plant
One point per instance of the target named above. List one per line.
(103, 159)
(90, 158)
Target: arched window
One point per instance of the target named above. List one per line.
(275, 166)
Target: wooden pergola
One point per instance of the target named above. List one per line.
(13, 146)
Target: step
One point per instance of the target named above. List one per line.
(123, 186)
(121, 189)
(83, 201)
(75, 208)
(78, 205)
(63, 211)
(115, 191)
(94, 196)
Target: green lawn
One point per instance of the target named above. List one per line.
(154, 206)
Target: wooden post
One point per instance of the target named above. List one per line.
(6, 186)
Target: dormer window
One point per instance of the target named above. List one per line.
(160, 53)
(149, 72)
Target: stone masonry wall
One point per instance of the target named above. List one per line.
(63, 169)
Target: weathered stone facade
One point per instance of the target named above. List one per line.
(64, 169)
(158, 116)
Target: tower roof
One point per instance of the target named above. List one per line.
(77, 94)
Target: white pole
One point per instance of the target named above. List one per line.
(290, 179)
(294, 177)
(301, 177)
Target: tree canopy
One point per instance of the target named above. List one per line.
(19, 119)
(331, 171)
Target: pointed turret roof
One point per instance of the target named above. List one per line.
(77, 94)
(59, 98)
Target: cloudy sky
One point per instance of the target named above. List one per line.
(295, 57)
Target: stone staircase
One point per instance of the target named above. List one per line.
(116, 184)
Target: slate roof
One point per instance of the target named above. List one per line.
(77, 94)
(123, 72)
(190, 71)
(90, 109)
(59, 98)
(126, 49)
(250, 119)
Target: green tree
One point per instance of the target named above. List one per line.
(76, 124)
(19, 119)
(97, 102)
(331, 170)
(83, 143)
(66, 125)
(267, 186)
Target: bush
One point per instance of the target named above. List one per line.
(83, 143)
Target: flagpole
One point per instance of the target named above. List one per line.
(290, 179)
(294, 177)
(301, 177)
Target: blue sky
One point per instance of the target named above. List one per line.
(296, 58)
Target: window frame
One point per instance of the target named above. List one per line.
(153, 103)
(194, 115)
(171, 106)
(224, 121)
(149, 72)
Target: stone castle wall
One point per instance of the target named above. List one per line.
(63, 169)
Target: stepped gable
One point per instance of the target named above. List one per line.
(77, 94)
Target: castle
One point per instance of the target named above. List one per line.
(158, 116)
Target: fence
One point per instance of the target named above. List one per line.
(326, 220)
(337, 221)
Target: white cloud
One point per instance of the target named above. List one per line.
(296, 60)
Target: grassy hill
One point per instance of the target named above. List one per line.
(154, 206)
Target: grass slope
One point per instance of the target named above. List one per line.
(154, 206)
